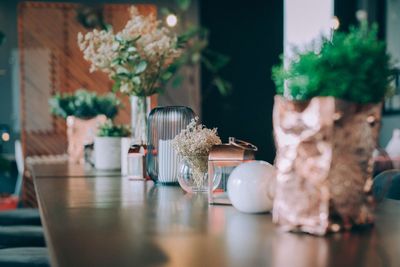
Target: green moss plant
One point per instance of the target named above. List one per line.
(109, 129)
(352, 66)
(84, 104)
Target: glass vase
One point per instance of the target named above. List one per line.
(164, 124)
(140, 109)
(193, 174)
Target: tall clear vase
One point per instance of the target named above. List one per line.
(140, 109)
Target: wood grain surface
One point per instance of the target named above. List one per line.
(112, 221)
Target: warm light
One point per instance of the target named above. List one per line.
(171, 20)
(5, 137)
(335, 23)
(361, 15)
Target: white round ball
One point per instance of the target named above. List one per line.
(251, 186)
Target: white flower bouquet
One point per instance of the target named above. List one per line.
(139, 58)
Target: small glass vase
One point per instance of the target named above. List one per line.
(140, 109)
(193, 175)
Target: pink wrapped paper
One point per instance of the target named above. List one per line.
(324, 150)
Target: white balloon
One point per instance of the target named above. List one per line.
(251, 187)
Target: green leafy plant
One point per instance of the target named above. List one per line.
(352, 66)
(129, 67)
(194, 42)
(84, 104)
(109, 129)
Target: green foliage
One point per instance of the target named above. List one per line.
(2, 38)
(183, 4)
(129, 67)
(108, 129)
(353, 66)
(84, 104)
(193, 41)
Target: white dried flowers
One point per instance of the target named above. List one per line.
(193, 144)
(195, 140)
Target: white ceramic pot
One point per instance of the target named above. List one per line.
(251, 187)
(107, 153)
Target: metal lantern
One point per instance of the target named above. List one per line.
(163, 125)
(221, 162)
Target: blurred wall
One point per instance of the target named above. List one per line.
(390, 122)
(250, 33)
(8, 111)
(188, 94)
(299, 31)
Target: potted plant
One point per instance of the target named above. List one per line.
(107, 145)
(138, 59)
(83, 111)
(193, 146)
(326, 123)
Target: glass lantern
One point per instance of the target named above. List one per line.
(222, 160)
(163, 125)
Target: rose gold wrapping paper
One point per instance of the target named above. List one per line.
(79, 133)
(324, 150)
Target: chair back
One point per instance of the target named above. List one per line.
(19, 158)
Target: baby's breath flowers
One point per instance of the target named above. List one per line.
(136, 58)
(193, 144)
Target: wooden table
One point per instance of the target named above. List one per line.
(66, 170)
(98, 221)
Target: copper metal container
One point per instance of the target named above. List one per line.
(221, 162)
(324, 150)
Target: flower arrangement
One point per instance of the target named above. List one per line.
(137, 58)
(193, 144)
(84, 104)
(352, 66)
(109, 129)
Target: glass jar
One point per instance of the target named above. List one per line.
(140, 108)
(193, 175)
(163, 125)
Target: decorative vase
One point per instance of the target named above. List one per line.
(193, 175)
(107, 153)
(81, 132)
(251, 187)
(164, 124)
(140, 109)
(324, 150)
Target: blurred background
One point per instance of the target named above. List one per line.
(251, 35)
